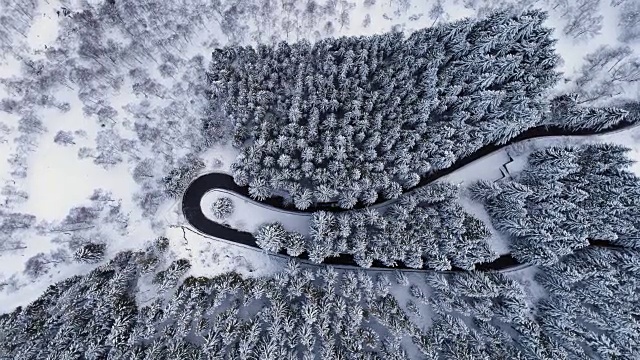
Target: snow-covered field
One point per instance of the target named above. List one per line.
(57, 180)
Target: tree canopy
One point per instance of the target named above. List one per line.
(564, 198)
(354, 118)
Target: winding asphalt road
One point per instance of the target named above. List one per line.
(201, 185)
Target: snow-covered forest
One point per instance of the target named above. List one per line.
(424, 229)
(304, 314)
(565, 197)
(109, 109)
(343, 119)
(354, 118)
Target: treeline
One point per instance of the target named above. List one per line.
(566, 112)
(565, 197)
(588, 310)
(353, 118)
(426, 228)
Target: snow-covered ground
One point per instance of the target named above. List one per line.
(219, 159)
(59, 180)
(210, 256)
(488, 168)
(249, 215)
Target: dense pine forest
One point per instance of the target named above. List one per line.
(590, 311)
(426, 228)
(346, 119)
(564, 198)
(350, 119)
(551, 208)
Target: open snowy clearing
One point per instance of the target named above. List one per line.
(249, 215)
(210, 256)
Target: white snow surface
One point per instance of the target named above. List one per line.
(248, 215)
(211, 256)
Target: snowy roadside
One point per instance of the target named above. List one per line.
(249, 215)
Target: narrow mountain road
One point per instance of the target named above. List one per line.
(200, 186)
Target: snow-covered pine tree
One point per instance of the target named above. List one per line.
(567, 113)
(222, 208)
(272, 237)
(90, 252)
(565, 198)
